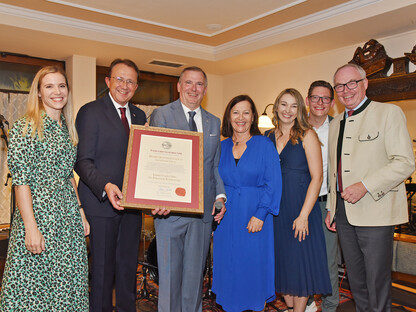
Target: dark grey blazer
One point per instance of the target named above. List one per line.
(102, 150)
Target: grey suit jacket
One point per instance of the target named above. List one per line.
(172, 116)
(376, 150)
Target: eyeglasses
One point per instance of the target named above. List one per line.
(324, 99)
(121, 81)
(350, 85)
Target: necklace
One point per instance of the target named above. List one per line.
(242, 141)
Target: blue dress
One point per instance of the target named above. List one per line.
(243, 274)
(301, 267)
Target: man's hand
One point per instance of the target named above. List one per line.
(218, 217)
(354, 193)
(160, 211)
(114, 195)
(333, 227)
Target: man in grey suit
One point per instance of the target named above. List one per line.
(320, 100)
(370, 156)
(183, 240)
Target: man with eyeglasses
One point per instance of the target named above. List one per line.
(103, 128)
(320, 100)
(370, 156)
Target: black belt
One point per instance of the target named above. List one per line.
(322, 198)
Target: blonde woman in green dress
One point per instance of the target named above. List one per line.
(46, 267)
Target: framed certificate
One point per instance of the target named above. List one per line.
(164, 168)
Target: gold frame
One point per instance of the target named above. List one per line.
(132, 176)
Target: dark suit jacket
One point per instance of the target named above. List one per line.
(172, 116)
(102, 150)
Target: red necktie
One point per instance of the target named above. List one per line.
(340, 188)
(124, 120)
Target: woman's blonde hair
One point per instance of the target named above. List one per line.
(35, 106)
(301, 122)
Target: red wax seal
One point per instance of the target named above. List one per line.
(180, 191)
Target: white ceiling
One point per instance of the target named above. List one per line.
(253, 33)
(189, 15)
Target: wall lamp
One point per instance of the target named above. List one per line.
(264, 120)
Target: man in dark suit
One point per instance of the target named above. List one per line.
(370, 156)
(183, 241)
(103, 128)
(320, 100)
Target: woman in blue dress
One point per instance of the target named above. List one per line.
(243, 243)
(301, 265)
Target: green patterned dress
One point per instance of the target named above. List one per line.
(56, 279)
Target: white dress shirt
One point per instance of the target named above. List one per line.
(197, 117)
(322, 132)
(198, 122)
(117, 106)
